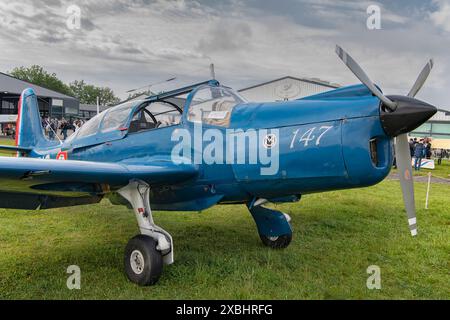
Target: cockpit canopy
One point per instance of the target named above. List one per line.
(209, 104)
(107, 121)
(213, 105)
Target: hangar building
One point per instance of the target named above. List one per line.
(286, 88)
(51, 103)
(88, 111)
(437, 128)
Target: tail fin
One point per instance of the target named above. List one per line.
(29, 132)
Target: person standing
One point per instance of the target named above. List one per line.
(78, 125)
(52, 129)
(419, 152)
(64, 127)
(439, 155)
(428, 148)
(411, 147)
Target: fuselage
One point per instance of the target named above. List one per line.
(325, 142)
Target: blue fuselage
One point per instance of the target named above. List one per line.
(326, 142)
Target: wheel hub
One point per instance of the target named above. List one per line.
(137, 262)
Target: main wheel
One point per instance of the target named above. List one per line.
(143, 263)
(280, 242)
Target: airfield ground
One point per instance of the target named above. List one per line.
(337, 236)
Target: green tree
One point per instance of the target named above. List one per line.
(38, 76)
(139, 93)
(88, 93)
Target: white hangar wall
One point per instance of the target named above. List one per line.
(287, 88)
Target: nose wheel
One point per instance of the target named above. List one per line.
(145, 254)
(143, 262)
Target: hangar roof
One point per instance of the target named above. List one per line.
(441, 115)
(10, 84)
(309, 80)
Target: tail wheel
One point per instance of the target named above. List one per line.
(279, 242)
(143, 263)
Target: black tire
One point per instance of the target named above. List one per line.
(142, 248)
(280, 242)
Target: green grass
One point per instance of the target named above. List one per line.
(218, 254)
(8, 142)
(440, 171)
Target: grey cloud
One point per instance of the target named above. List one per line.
(135, 42)
(226, 36)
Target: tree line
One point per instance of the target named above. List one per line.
(79, 89)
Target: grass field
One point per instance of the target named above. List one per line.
(441, 171)
(8, 142)
(218, 254)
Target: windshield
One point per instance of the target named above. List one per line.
(90, 127)
(213, 105)
(117, 117)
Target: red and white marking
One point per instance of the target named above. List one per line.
(62, 155)
(19, 123)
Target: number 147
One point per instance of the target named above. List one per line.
(308, 136)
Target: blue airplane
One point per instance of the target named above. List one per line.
(202, 145)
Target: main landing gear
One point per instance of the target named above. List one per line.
(273, 226)
(146, 253)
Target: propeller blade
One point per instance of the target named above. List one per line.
(362, 76)
(421, 79)
(406, 179)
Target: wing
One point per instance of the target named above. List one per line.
(75, 178)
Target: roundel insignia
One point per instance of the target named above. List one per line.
(62, 155)
(270, 141)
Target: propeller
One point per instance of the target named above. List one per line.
(398, 125)
(403, 155)
(362, 76)
(421, 79)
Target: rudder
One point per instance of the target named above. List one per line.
(29, 131)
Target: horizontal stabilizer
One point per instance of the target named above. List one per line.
(15, 149)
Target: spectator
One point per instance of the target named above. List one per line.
(428, 148)
(439, 155)
(78, 125)
(51, 128)
(64, 128)
(419, 152)
(411, 147)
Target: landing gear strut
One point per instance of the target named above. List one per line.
(146, 253)
(273, 226)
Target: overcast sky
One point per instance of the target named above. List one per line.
(127, 44)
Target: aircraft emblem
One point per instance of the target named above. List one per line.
(270, 141)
